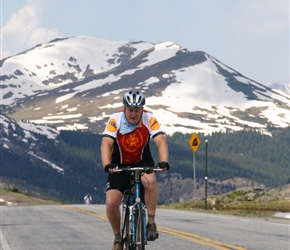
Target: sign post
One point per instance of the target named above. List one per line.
(194, 143)
(206, 178)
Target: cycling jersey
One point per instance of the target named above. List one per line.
(133, 147)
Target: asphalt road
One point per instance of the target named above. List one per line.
(79, 227)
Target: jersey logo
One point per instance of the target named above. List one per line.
(112, 125)
(154, 125)
(132, 141)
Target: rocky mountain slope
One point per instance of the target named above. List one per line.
(76, 83)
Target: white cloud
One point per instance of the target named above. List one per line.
(24, 29)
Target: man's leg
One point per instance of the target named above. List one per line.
(151, 192)
(151, 198)
(113, 201)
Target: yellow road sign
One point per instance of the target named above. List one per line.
(194, 142)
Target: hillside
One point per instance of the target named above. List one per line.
(67, 165)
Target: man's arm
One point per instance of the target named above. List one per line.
(162, 147)
(106, 147)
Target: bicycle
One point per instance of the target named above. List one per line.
(134, 213)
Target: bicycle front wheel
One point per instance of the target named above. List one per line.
(140, 227)
(126, 235)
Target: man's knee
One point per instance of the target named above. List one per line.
(149, 181)
(113, 200)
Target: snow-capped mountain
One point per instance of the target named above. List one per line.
(76, 83)
(29, 132)
(23, 138)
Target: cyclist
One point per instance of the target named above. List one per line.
(126, 142)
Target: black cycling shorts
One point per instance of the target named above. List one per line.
(121, 181)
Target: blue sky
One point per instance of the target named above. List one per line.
(251, 36)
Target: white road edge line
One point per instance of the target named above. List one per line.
(4, 244)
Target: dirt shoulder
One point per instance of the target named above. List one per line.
(10, 198)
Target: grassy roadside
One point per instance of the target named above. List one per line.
(246, 208)
(12, 197)
(249, 202)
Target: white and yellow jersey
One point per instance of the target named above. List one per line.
(132, 147)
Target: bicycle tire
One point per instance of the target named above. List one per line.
(139, 228)
(126, 237)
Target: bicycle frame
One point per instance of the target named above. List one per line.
(134, 212)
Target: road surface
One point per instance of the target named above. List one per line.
(78, 227)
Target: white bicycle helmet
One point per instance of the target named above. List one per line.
(134, 99)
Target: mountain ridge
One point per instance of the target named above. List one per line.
(76, 83)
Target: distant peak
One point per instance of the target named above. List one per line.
(167, 45)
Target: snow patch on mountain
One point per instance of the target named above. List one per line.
(9, 126)
(50, 64)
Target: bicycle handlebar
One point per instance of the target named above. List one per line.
(134, 169)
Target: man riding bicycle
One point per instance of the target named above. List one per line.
(126, 142)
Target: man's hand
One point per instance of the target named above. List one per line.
(164, 165)
(110, 166)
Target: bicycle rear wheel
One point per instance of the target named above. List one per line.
(139, 228)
